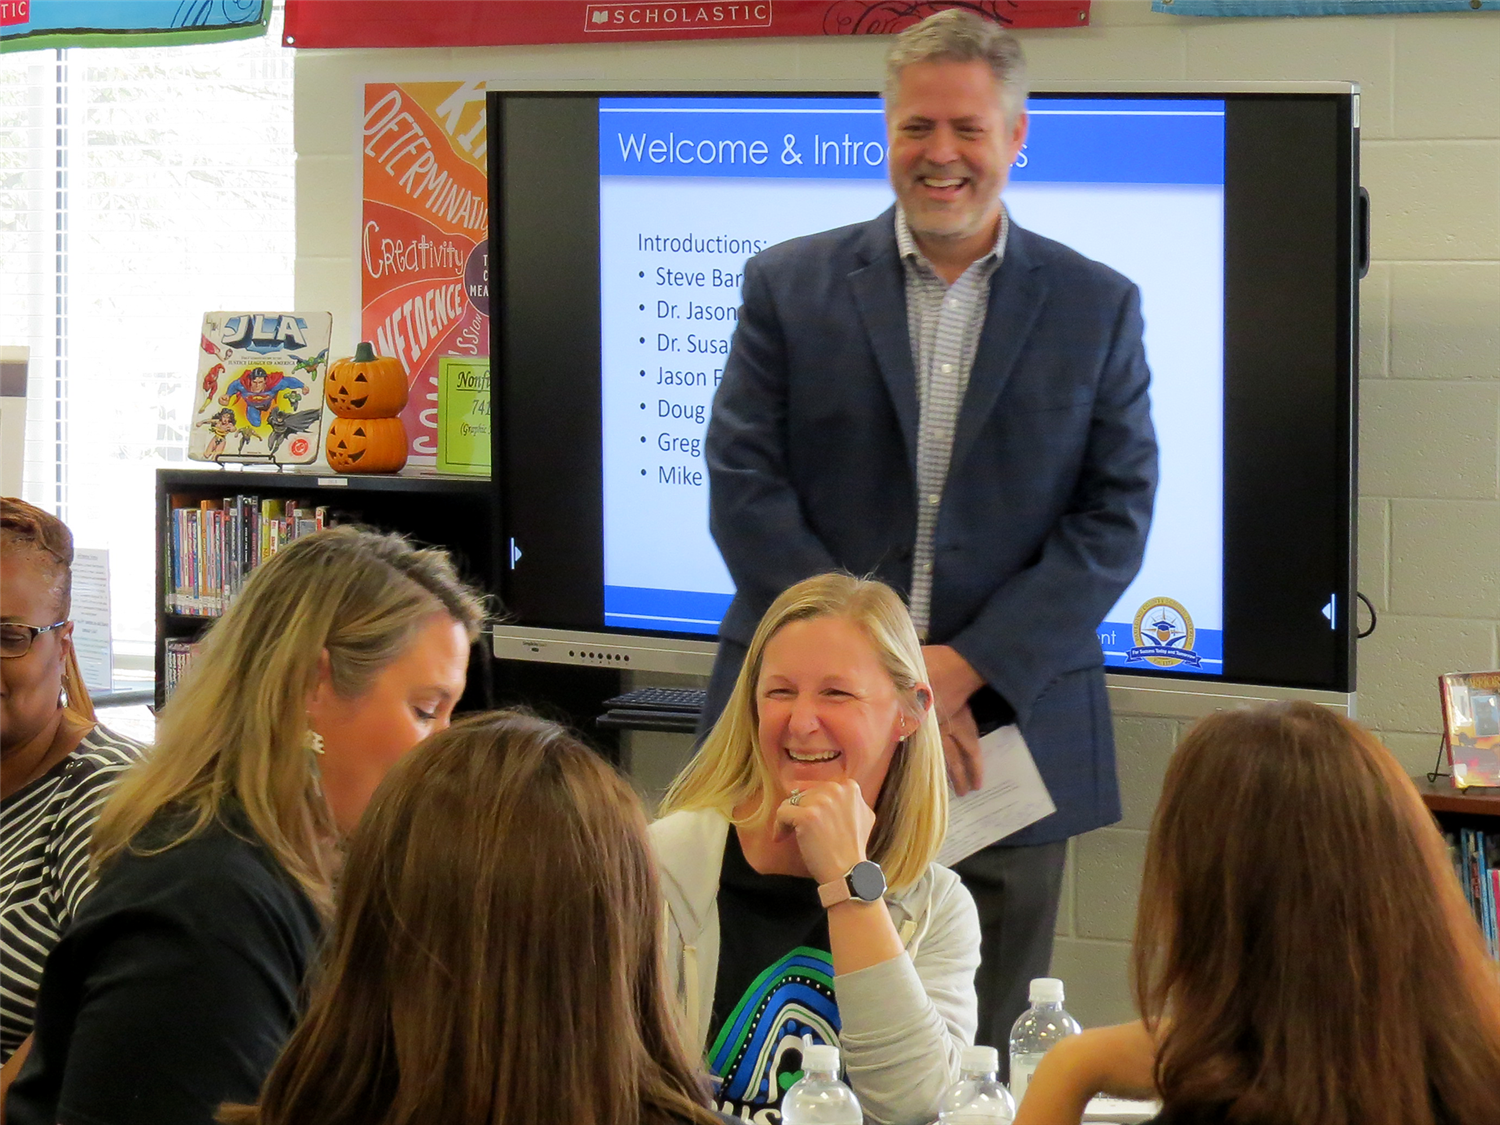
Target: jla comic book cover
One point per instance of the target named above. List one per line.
(259, 392)
(1471, 726)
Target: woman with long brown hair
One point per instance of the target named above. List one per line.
(495, 955)
(1303, 954)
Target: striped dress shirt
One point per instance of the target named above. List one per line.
(944, 322)
(44, 866)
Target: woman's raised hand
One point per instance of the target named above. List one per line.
(1117, 1061)
(832, 823)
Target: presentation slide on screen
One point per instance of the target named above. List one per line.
(690, 188)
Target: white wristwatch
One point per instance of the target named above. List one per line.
(865, 882)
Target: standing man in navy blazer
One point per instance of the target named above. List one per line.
(959, 407)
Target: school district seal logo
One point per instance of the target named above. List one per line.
(1164, 635)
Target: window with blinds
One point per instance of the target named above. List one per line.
(139, 188)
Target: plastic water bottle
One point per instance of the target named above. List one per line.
(1038, 1029)
(818, 1097)
(977, 1098)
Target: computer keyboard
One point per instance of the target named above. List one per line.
(669, 700)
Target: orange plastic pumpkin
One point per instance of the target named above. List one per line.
(367, 385)
(366, 445)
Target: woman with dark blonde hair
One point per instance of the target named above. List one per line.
(57, 763)
(495, 953)
(180, 977)
(1303, 954)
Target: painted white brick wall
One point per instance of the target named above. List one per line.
(1430, 348)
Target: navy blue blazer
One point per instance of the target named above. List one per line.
(811, 451)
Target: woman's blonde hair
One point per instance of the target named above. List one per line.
(495, 954)
(236, 728)
(911, 813)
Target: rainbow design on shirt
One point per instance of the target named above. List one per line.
(758, 1052)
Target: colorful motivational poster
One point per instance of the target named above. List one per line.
(424, 253)
(29, 25)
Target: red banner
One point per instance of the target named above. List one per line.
(424, 271)
(504, 23)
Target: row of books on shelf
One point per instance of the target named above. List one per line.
(215, 544)
(1476, 859)
(179, 654)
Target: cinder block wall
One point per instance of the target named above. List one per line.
(1430, 355)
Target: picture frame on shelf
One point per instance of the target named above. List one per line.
(1471, 727)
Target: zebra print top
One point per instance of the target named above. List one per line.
(44, 866)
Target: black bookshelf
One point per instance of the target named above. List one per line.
(1476, 807)
(459, 513)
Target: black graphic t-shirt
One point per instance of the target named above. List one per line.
(774, 985)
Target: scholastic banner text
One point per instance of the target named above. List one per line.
(503, 23)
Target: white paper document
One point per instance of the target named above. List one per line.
(90, 614)
(1012, 797)
(13, 368)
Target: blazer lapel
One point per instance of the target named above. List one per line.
(880, 295)
(1017, 292)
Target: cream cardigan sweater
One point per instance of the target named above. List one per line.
(904, 1021)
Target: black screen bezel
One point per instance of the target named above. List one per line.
(1290, 426)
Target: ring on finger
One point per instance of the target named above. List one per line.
(795, 798)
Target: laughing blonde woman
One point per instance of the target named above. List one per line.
(797, 861)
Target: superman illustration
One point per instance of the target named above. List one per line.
(257, 389)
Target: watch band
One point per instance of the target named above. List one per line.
(864, 882)
(831, 894)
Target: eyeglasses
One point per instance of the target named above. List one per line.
(15, 638)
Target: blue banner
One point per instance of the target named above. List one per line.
(1316, 7)
(36, 24)
(1098, 140)
(1204, 655)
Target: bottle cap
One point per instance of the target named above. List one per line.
(1046, 990)
(978, 1059)
(820, 1056)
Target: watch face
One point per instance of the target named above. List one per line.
(867, 881)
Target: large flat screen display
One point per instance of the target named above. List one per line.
(622, 224)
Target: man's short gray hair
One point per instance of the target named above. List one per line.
(959, 35)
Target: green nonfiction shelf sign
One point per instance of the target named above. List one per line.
(463, 415)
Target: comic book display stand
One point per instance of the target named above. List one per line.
(258, 397)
